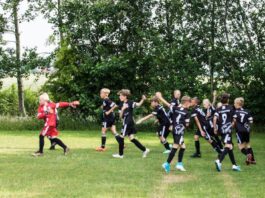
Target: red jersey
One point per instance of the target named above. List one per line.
(48, 112)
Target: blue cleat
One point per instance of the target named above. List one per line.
(218, 165)
(236, 168)
(166, 166)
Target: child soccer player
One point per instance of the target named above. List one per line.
(180, 120)
(128, 129)
(108, 118)
(242, 121)
(202, 127)
(47, 111)
(223, 117)
(176, 99)
(164, 122)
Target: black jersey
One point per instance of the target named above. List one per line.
(200, 114)
(180, 117)
(210, 115)
(161, 115)
(243, 119)
(128, 112)
(107, 105)
(175, 102)
(224, 116)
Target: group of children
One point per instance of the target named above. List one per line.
(211, 122)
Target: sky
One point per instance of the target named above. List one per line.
(32, 34)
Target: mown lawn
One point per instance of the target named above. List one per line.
(86, 173)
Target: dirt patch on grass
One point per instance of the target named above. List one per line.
(231, 187)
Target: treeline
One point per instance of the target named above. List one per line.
(196, 46)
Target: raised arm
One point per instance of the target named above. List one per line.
(145, 118)
(160, 97)
(138, 104)
(214, 98)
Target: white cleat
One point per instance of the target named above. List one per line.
(166, 151)
(146, 152)
(180, 167)
(117, 156)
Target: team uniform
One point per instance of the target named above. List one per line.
(50, 119)
(243, 119)
(108, 120)
(200, 114)
(180, 117)
(209, 134)
(224, 116)
(128, 125)
(164, 122)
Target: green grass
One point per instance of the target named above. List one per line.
(86, 173)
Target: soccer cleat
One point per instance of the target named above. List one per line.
(146, 152)
(179, 166)
(100, 149)
(66, 151)
(236, 168)
(166, 167)
(196, 155)
(117, 156)
(37, 154)
(166, 151)
(218, 165)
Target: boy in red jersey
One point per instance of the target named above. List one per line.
(47, 111)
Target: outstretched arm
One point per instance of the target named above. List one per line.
(138, 104)
(160, 97)
(144, 118)
(214, 98)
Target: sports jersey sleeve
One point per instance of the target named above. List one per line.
(194, 113)
(62, 104)
(132, 104)
(216, 114)
(41, 114)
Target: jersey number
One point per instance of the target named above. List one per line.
(224, 117)
(178, 118)
(242, 117)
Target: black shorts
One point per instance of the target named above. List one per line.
(163, 130)
(108, 123)
(128, 129)
(178, 139)
(227, 138)
(242, 137)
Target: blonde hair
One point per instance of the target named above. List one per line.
(185, 99)
(240, 101)
(45, 97)
(125, 92)
(105, 90)
(206, 101)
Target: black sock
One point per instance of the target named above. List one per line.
(41, 143)
(223, 154)
(197, 147)
(117, 137)
(218, 141)
(244, 151)
(138, 144)
(171, 155)
(166, 144)
(216, 147)
(121, 146)
(181, 153)
(53, 143)
(252, 153)
(103, 141)
(60, 143)
(232, 157)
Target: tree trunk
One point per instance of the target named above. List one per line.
(21, 106)
(60, 22)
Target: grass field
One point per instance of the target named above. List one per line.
(86, 173)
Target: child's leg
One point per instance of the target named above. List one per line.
(164, 142)
(197, 145)
(172, 153)
(41, 143)
(114, 132)
(137, 143)
(231, 155)
(59, 142)
(218, 141)
(103, 137)
(181, 152)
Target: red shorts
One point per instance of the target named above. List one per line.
(49, 131)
